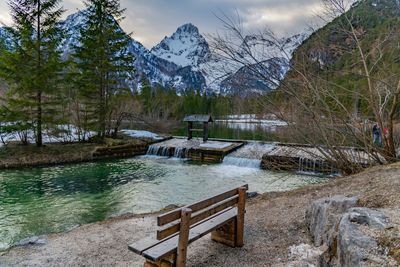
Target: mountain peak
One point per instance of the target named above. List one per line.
(185, 47)
(188, 28)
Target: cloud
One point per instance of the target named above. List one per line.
(151, 20)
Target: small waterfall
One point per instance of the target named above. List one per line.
(181, 152)
(309, 165)
(165, 151)
(156, 150)
(242, 162)
(316, 166)
(249, 155)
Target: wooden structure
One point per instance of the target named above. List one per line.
(307, 158)
(192, 119)
(213, 151)
(211, 155)
(222, 215)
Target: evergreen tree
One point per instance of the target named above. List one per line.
(146, 93)
(33, 67)
(103, 63)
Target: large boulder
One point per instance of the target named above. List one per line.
(360, 235)
(350, 236)
(324, 215)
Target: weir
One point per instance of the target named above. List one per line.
(156, 150)
(165, 151)
(194, 149)
(242, 162)
(181, 152)
(313, 165)
(298, 158)
(249, 155)
(310, 159)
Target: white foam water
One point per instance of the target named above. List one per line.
(250, 155)
(242, 162)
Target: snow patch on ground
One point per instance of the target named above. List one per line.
(69, 133)
(62, 134)
(141, 134)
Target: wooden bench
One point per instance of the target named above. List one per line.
(221, 215)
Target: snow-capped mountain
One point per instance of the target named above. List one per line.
(156, 69)
(71, 27)
(186, 47)
(5, 37)
(267, 63)
(183, 61)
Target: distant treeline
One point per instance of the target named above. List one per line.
(162, 103)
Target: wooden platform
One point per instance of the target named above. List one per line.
(195, 149)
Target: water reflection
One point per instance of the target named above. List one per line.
(250, 126)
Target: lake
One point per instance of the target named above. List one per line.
(241, 130)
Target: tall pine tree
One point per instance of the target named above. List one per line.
(33, 67)
(102, 59)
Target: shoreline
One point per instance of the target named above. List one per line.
(59, 154)
(112, 219)
(109, 220)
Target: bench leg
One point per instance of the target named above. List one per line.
(225, 234)
(231, 234)
(240, 218)
(169, 261)
(150, 264)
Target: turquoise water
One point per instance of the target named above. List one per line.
(54, 199)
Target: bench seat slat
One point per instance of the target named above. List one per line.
(170, 245)
(143, 244)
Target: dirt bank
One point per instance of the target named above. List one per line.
(274, 222)
(18, 156)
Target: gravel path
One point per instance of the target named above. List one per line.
(274, 222)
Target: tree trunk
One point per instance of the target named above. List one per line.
(39, 140)
(102, 115)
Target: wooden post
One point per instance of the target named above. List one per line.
(240, 217)
(183, 237)
(149, 264)
(205, 132)
(226, 234)
(189, 130)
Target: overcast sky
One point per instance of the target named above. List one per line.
(151, 20)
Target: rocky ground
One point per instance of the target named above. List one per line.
(276, 232)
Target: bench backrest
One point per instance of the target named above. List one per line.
(200, 211)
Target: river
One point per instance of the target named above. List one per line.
(39, 201)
